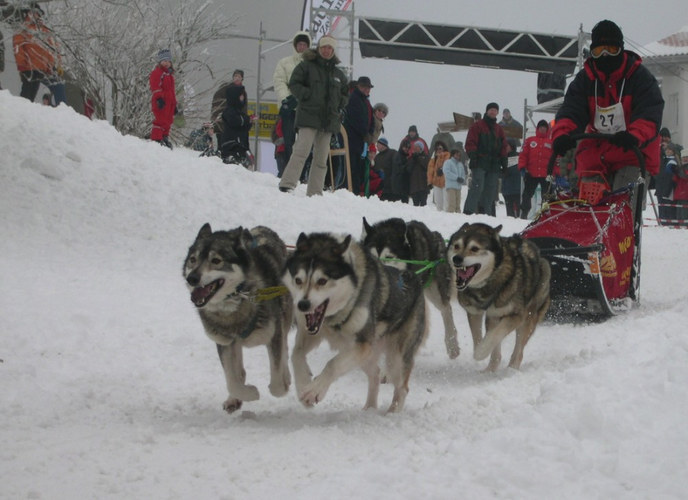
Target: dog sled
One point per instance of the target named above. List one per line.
(592, 242)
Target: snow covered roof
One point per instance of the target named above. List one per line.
(672, 45)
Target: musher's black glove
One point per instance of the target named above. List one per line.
(562, 144)
(625, 140)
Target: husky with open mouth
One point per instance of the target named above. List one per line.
(234, 278)
(364, 309)
(504, 281)
(411, 245)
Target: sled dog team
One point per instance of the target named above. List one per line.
(366, 298)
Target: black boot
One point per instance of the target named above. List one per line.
(166, 141)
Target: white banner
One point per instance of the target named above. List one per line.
(322, 23)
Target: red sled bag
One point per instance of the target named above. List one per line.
(589, 247)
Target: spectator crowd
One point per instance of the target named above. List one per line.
(322, 111)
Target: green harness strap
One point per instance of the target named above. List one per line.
(427, 264)
(269, 293)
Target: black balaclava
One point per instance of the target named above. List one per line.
(607, 33)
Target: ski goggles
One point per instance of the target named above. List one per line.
(608, 49)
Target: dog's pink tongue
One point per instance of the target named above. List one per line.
(465, 273)
(200, 293)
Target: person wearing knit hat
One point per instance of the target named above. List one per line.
(280, 81)
(388, 161)
(321, 91)
(163, 98)
(512, 127)
(380, 111)
(411, 138)
(417, 167)
(328, 41)
(487, 151)
(164, 55)
(613, 94)
(219, 103)
(532, 162)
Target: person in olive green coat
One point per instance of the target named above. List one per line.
(321, 89)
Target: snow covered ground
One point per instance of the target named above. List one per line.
(110, 388)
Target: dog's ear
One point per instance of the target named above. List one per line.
(204, 232)
(366, 229)
(498, 229)
(302, 243)
(343, 246)
(246, 239)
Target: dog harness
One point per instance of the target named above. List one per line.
(427, 264)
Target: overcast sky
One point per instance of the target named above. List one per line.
(424, 94)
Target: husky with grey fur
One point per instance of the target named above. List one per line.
(228, 274)
(396, 242)
(364, 309)
(504, 281)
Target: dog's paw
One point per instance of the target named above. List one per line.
(484, 349)
(453, 349)
(314, 392)
(248, 393)
(231, 405)
(281, 388)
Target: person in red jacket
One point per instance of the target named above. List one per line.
(163, 98)
(532, 162)
(487, 148)
(613, 94)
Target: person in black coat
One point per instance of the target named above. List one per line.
(360, 125)
(237, 124)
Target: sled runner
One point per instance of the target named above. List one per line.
(593, 246)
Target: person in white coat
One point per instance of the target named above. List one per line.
(455, 177)
(280, 81)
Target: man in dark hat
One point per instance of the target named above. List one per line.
(487, 151)
(360, 125)
(613, 94)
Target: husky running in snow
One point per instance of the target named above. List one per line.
(504, 281)
(235, 279)
(363, 309)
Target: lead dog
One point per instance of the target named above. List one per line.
(396, 242)
(362, 308)
(503, 280)
(230, 275)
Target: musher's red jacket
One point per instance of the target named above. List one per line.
(642, 104)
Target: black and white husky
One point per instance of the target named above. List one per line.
(364, 309)
(235, 282)
(503, 281)
(411, 245)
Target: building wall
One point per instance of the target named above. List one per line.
(673, 78)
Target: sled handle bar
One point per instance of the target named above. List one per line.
(607, 137)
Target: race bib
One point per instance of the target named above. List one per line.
(610, 120)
